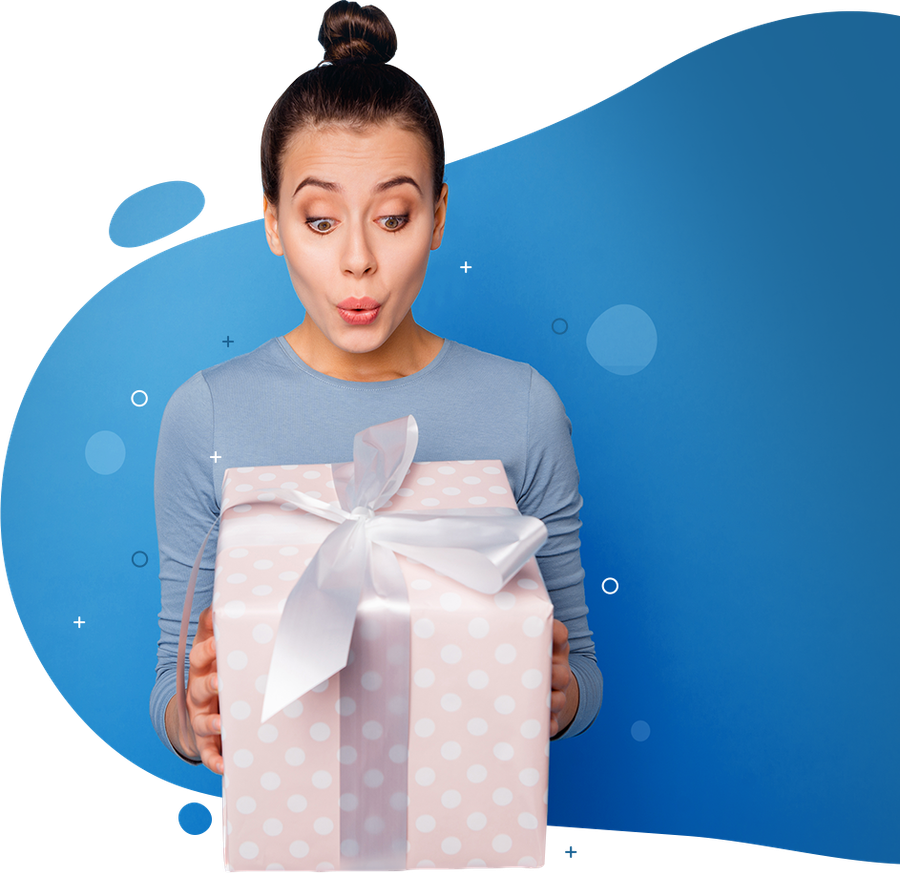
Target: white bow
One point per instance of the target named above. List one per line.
(481, 551)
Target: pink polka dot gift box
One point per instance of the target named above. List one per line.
(383, 650)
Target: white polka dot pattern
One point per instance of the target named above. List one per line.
(479, 727)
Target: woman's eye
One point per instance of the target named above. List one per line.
(320, 225)
(394, 222)
(389, 222)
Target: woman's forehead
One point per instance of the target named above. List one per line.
(345, 156)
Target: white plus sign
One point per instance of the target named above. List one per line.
(79, 622)
(215, 457)
(466, 266)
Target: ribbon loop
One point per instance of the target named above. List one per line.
(382, 455)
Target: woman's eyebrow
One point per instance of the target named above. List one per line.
(334, 186)
(397, 180)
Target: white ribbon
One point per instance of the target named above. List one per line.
(478, 550)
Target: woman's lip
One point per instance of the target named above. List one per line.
(359, 303)
(359, 316)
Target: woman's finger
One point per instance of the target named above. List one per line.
(203, 653)
(211, 756)
(202, 656)
(208, 726)
(560, 676)
(557, 701)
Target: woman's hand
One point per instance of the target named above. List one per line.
(563, 684)
(205, 723)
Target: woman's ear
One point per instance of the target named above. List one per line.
(440, 217)
(271, 217)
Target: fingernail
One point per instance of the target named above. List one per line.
(215, 682)
(220, 767)
(217, 725)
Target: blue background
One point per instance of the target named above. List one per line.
(738, 456)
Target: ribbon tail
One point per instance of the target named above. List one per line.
(316, 626)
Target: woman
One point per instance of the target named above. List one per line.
(352, 165)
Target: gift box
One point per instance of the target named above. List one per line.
(405, 721)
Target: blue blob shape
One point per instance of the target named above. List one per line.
(622, 339)
(105, 452)
(194, 818)
(155, 212)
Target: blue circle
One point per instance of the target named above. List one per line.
(135, 559)
(194, 818)
(559, 326)
(622, 339)
(640, 730)
(154, 213)
(105, 452)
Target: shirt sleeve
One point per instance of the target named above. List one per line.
(186, 507)
(551, 494)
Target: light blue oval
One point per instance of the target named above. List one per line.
(155, 212)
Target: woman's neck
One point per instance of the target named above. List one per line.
(409, 349)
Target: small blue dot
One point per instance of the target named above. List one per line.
(622, 339)
(194, 818)
(105, 452)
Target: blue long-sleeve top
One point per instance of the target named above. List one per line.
(268, 408)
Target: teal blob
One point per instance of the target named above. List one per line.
(155, 212)
(622, 339)
(105, 452)
(194, 818)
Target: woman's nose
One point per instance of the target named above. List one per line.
(357, 257)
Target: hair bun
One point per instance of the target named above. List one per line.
(359, 32)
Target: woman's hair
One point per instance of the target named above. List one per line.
(356, 88)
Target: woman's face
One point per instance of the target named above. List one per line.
(355, 221)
